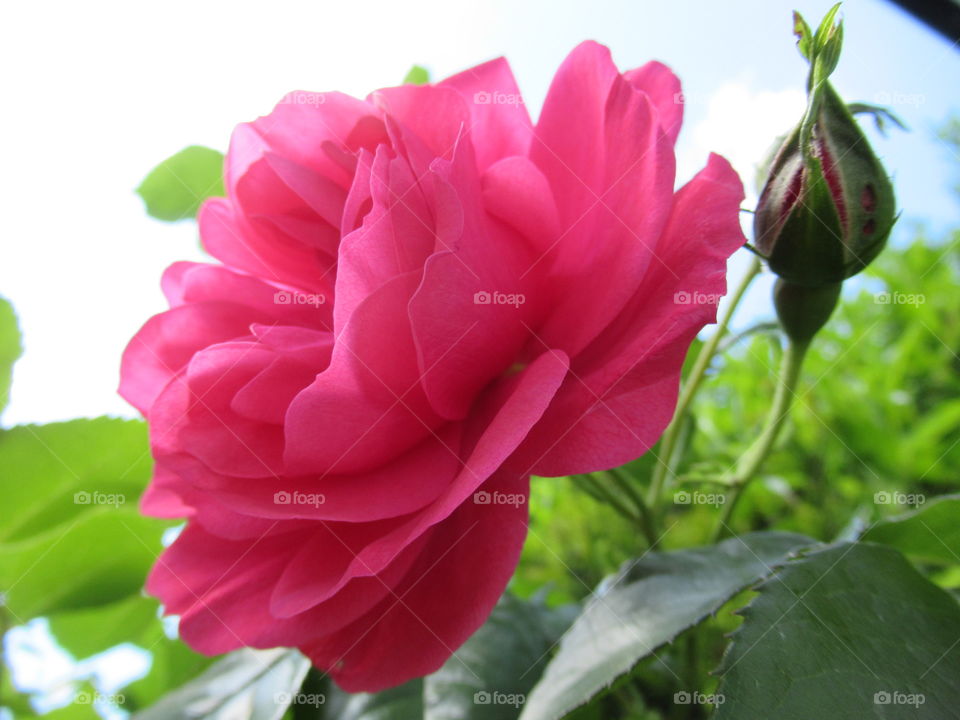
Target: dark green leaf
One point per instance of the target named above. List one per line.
(400, 703)
(175, 189)
(490, 676)
(646, 605)
(850, 631)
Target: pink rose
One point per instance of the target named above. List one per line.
(422, 299)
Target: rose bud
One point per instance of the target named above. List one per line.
(826, 213)
(827, 207)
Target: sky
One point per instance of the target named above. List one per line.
(97, 93)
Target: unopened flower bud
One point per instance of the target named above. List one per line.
(826, 210)
(827, 207)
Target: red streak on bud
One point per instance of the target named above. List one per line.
(792, 195)
(833, 181)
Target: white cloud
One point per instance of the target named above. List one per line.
(741, 124)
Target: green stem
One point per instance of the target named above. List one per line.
(753, 458)
(597, 490)
(626, 485)
(702, 363)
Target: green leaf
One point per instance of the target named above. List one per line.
(880, 115)
(827, 45)
(828, 28)
(490, 676)
(98, 558)
(803, 33)
(417, 76)
(53, 473)
(175, 189)
(246, 684)
(89, 631)
(10, 349)
(930, 534)
(646, 605)
(849, 631)
(404, 702)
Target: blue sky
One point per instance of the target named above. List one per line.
(104, 91)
